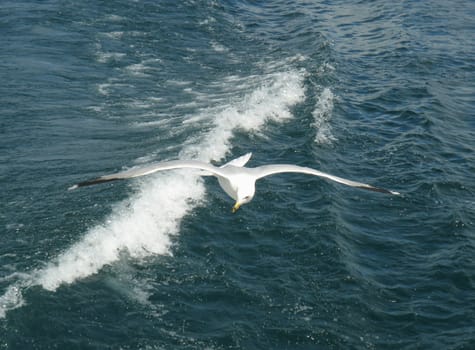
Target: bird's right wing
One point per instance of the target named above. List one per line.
(152, 168)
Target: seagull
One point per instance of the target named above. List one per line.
(238, 181)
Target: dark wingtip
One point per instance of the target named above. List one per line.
(380, 190)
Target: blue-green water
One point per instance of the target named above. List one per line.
(374, 91)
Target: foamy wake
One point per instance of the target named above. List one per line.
(322, 115)
(143, 224)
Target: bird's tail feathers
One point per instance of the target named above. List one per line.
(239, 162)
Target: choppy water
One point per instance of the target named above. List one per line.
(375, 91)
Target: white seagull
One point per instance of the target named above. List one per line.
(237, 181)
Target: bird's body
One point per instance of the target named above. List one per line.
(235, 179)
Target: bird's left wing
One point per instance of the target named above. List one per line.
(152, 168)
(267, 170)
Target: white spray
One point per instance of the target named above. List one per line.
(136, 225)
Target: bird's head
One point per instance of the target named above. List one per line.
(240, 202)
(245, 195)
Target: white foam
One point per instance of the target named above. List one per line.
(326, 68)
(144, 224)
(178, 82)
(106, 88)
(141, 226)
(11, 299)
(104, 57)
(114, 18)
(218, 47)
(140, 69)
(322, 115)
(114, 35)
(271, 101)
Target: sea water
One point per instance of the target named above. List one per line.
(373, 91)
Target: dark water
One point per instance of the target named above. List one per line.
(375, 91)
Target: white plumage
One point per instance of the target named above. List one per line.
(234, 178)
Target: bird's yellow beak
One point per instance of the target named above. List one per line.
(236, 207)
